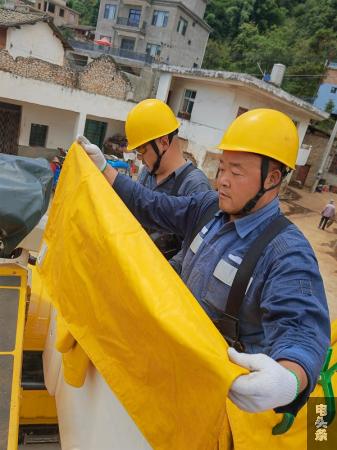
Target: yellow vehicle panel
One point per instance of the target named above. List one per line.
(37, 407)
(13, 290)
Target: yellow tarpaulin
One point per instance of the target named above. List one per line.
(253, 431)
(132, 315)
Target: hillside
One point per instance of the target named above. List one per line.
(252, 33)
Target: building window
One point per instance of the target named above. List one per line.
(187, 104)
(134, 17)
(38, 135)
(95, 131)
(153, 49)
(195, 66)
(182, 26)
(128, 44)
(160, 18)
(39, 5)
(51, 7)
(110, 12)
(333, 90)
(45, 6)
(61, 13)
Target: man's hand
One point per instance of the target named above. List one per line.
(267, 386)
(94, 152)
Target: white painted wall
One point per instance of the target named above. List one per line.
(216, 106)
(37, 41)
(60, 125)
(41, 93)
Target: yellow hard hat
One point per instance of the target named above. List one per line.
(148, 120)
(266, 132)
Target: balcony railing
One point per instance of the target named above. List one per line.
(117, 52)
(127, 22)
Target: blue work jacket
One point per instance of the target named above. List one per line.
(284, 313)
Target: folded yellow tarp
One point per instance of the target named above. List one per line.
(132, 315)
(253, 431)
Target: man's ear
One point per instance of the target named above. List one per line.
(164, 140)
(274, 178)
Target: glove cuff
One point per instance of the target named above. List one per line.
(297, 383)
(102, 169)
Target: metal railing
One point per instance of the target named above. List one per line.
(127, 22)
(113, 51)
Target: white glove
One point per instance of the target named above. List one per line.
(94, 152)
(267, 386)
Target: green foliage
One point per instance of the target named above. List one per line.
(249, 34)
(330, 106)
(88, 10)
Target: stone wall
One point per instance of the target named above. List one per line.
(101, 76)
(318, 140)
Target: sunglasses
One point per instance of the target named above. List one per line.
(141, 150)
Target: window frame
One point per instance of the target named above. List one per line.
(36, 139)
(134, 12)
(158, 13)
(181, 29)
(187, 104)
(151, 46)
(108, 7)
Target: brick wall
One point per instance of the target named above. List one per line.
(101, 76)
(331, 76)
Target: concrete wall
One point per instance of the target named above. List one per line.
(318, 140)
(37, 41)
(60, 125)
(197, 6)
(324, 95)
(24, 90)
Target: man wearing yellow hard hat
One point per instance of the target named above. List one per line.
(151, 129)
(251, 269)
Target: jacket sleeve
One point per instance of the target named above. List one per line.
(159, 211)
(295, 314)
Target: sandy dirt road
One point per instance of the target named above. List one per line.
(304, 210)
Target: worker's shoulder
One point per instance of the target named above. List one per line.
(289, 241)
(195, 181)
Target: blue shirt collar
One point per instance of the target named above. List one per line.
(247, 224)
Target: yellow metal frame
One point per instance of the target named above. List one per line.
(37, 407)
(15, 270)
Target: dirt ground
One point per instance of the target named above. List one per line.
(303, 208)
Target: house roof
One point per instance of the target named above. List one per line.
(12, 18)
(242, 79)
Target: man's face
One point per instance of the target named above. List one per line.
(238, 180)
(147, 155)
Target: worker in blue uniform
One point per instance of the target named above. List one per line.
(283, 321)
(153, 123)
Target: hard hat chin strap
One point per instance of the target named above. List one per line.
(264, 173)
(157, 152)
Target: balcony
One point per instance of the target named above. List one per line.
(127, 23)
(113, 51)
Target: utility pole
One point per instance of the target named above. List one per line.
(325, 157)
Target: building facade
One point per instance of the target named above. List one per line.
(207, 101)
(171, 32)
(59, 11)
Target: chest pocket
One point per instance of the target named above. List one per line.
(220, 284)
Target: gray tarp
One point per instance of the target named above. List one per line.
(25, 188)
